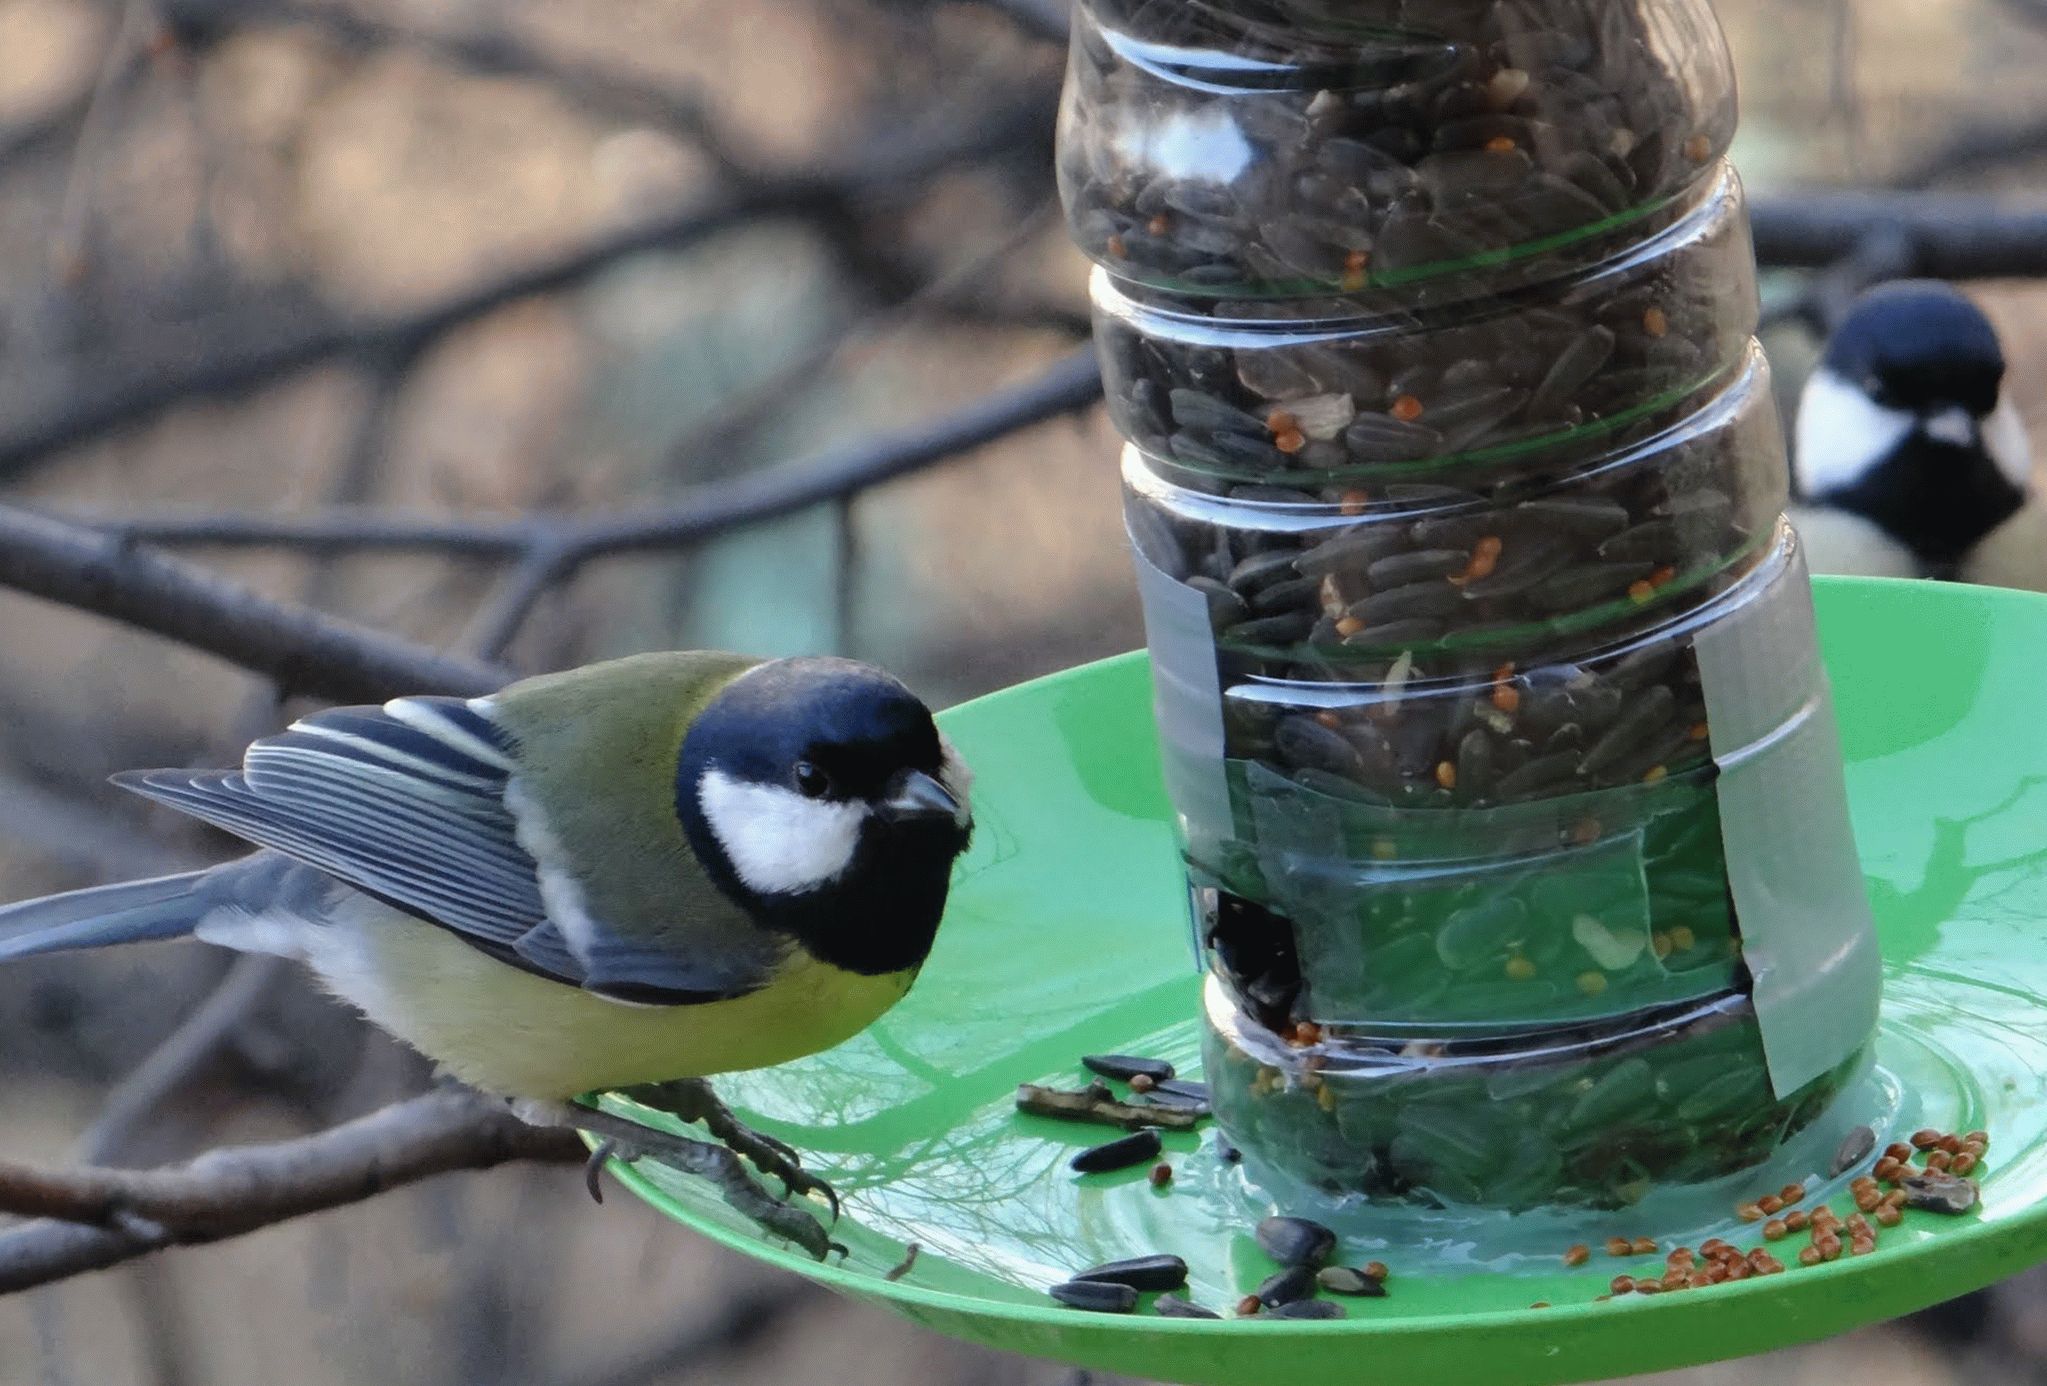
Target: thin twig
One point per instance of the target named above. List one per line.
(129, 40)
(604, 90)
(127, 395)
(1954, 236)
(198, 1039)
(90, 1218)
(1072, 383)
(300, 649)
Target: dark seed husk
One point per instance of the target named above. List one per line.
(1525, 561)
(1096, 1296)
(1349, 1280)
(1133, 1149)
(1417, 566)
(1593, 517)
(1160, 1272)
(1574, 589)
(1655, 539)
(1260, 570)
(1383, 438)
(1286, 1286)
(1352, 552)
(1416, 599)
(1225, 608)
(1936, 1191)
(1644, 715)
(1394, 634)
(1124, 1067)
(1578, 363)
(1274, 630)
(1184, 1088)
(1174, 1307)
(1295, 1241)
(1286, 596)
(1855, 1147)
(1308, 1309)
(1307, 744)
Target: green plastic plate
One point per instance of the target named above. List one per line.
(1068, 935)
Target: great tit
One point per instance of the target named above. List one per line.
(1907, 455)
(647, 870)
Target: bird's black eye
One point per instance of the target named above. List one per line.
(812, 782)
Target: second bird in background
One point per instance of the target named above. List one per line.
(1909, 458)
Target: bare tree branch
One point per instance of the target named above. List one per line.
(603, 90)
(90, 1218)
(1952, 236)
(551, 548)
(126, 395)
(298, 648)
(199, 1037)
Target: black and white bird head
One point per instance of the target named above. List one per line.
(1904, 433)
(820, 794)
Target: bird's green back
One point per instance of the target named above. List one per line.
(607, 736)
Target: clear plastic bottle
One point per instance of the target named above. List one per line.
(1486, 678)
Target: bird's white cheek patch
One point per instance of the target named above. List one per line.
(779, 842)
(1842, 433)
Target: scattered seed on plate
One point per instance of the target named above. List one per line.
(1937, 1192)
(1156, 1272)
(1308, 1309)
(1134, 1149)
(1096, 1296)
(1578, 1255)
(1286, 1286)
(1350, 1280)
(1174, 1307)
(1295, 1241)
(1127, 1066)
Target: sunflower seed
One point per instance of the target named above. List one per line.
(1308, 1309)
(1855, 1147)
(1095, 1296)
(1349, 1280)
(1160, 1272)
(1136, 1148)
(1286, 1286)
(1295, 1241)
(1174, 1307)
(1936, 1191)
(1124, 1067)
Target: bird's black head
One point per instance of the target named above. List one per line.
(1901, 424)
(821, 798)
(1919, 346)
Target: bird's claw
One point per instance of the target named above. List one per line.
(627, 1140)
(693, 1100)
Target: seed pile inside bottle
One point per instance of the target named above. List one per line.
(1430, 326)
(1232, 148)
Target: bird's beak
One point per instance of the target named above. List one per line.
(1954, 426)
(913, 795)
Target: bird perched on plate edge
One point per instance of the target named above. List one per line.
(1909, 459)
(629, 876)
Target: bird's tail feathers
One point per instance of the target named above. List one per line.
(130, 912)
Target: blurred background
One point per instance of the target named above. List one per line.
(487, 256)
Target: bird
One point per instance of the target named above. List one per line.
(1908, 454)
(630, 876)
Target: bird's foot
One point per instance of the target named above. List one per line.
(627, 1140)
(692, 1100)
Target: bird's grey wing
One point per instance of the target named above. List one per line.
(407, 803)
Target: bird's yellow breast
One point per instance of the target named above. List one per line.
(510, 1032)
